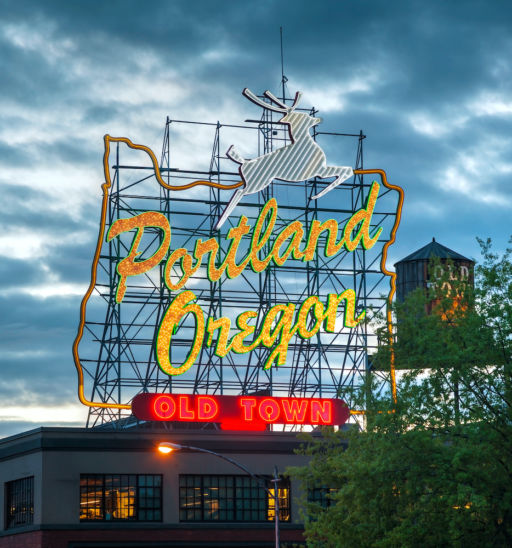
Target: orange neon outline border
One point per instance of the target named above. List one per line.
(108, 184)
(105, 188)
(385, 271)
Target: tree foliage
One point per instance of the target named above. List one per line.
(434, 469)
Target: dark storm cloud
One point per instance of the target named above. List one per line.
(37, 324)
(435, 48)
(31, 80)
(428, 82)
(36, 364)
(11, 155)
(103, 114)
(32, 208)
(72, 262)
(33, 382)
(70, 150)
(69, 263)
(16, 272)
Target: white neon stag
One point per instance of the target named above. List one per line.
(301, 160)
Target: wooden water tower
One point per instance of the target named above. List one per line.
(413, 271)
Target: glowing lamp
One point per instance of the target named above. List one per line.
(167, 447)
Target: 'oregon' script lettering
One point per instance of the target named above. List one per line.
(277, 328)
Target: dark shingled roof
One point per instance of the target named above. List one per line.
(434, 249)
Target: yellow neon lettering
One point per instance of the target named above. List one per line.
(186, 267)
(363, 217)
(318, 311)
(333, 302)
(297, 230)
(269, 336)
(245, 331)
(129, 266)
(179, 307)
(331, 247)
(223, 325)
(276, 331)
(349, 318)
(210, 246)
(258, 241)
(235, 235)
(277, 326)
(282, 333)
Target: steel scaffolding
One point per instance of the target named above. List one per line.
(118, 349)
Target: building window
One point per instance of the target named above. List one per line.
(130, 497)
(322, 496)
(231, 498)
(19, 502)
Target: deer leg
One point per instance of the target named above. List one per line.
(237, 196)
(342, 172)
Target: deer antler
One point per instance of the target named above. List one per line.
(296, 101)
(256, 100)
(275, 100)
(278, 102)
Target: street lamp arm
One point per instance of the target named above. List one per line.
(260, 480)
(170, 446)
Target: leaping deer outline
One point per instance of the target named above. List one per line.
(300, 160)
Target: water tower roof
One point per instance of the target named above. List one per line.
(434, 249)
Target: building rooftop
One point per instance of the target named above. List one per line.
(434, 249)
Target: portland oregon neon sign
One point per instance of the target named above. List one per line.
(248, 245)
(283, 320)
(240, 412)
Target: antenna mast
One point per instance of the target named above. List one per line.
(283, 77)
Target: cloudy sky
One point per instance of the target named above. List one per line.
(429, 83)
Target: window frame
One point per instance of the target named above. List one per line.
(235, 509)
(322, 496)
(28, 492)
(137, 498)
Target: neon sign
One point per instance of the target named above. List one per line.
(240, 412)
(283, 320)
(225, 257)
(300, 160)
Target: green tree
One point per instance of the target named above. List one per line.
(434, 469)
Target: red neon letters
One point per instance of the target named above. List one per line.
(288, 410)
(240, 412)
(165, 407)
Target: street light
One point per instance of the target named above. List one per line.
(167, 447)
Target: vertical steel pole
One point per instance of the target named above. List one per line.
(275, 481)
(283, 78)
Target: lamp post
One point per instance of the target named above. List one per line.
(166, 447)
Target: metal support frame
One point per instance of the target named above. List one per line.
(118, 355)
